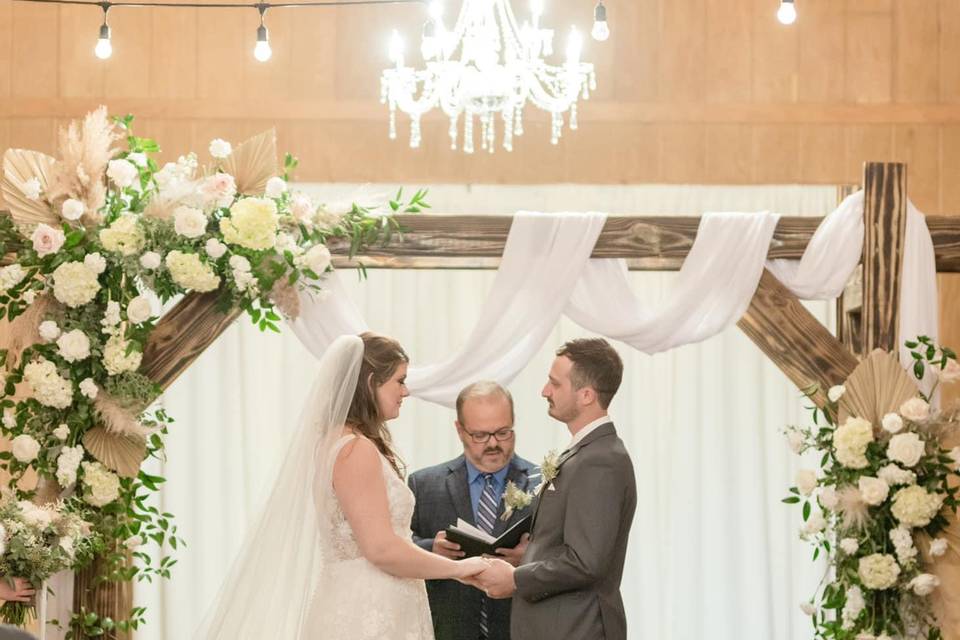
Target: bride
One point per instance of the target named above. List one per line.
(331, 555)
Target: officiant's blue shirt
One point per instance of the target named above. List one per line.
(476, 482)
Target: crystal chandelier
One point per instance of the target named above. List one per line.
(487, 66)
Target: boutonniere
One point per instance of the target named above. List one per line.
(514, 498)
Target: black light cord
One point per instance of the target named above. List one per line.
(259, 6)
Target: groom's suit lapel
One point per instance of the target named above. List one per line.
(606, 429)
(459, 490)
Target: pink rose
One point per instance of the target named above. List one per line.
(47, 240)
(219, 189)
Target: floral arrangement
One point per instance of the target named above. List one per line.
(95, 242)
(37, 542)
(880, 499)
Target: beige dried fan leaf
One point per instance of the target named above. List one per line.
(19, 166)
(253, 162)
(122, 453)
(878, 386)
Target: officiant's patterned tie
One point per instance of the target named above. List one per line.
(486, 518)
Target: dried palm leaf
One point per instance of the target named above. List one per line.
(119, 452)
(19, 166)
(878, 386)
(47, 492)
(22, 332)
(253, 162)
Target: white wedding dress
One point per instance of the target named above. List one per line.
(355, 600)
(300, 574)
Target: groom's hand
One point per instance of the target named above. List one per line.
(515, 555)
(497, 581)
(445, 548)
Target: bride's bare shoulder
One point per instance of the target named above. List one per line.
(359, 450)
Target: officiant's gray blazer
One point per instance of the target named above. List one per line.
(442, 497)
(569, 583)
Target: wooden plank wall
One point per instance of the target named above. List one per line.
(690, 91)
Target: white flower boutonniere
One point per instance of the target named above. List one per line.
(514, 498)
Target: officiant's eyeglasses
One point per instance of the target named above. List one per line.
(482, 437)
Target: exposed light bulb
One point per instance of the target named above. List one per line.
(787, 13)
(104, 49)
(536, 10)
(600, 31)
(262, 50)
(436, 10)
(396, 48)
(574, 46)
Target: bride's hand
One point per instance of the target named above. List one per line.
(469, 568)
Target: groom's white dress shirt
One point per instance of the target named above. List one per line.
(583, 433)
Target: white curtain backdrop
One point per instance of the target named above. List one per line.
(714, 553)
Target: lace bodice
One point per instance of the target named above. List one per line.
(343, 543)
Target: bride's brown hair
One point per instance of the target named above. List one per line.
(381, 358)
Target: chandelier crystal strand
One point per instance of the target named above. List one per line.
(487, 64)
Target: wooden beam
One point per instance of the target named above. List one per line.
(885, 224)
(182, 335)
(794, 340)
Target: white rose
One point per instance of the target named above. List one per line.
(103, 485)
(894, 475)
(215, 249)
(905, 448)
(836, 392)
(138, 158)
(892, 423)
(828, 498)
(239, 263)
(89, 388)
(808, 608)
(938, 547)
(317, 259)
(806, 481)
(276, 187)
(25, 448)
(47, 240)
(873, 490)
(915, 409)
(49, 330)
(150, 260)
(849, 546)
(220, 148)
(133, 542)
(301, 207)
(189, 222)
(878, 571)
(31, 189)
(95, 262)
(72, 209)
(950, 373)
(74, 346)
(62, 432)
(138, 310)
(815, 523)
(122, 172)
(924, 584)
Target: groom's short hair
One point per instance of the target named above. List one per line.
(595, 364)
(482, 389)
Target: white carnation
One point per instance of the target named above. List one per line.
(62, 432)
(878, 571)
(850, 441)
(95, 262)
(115, 357)
(25, 448)
(836, 392)
(122, 172)
(906, 448)
(150, 260)
(48, 387)
(938, 547)
(239, 263)
(873, 491)
(915, 409)
(67, 464)
(849, 546)
(189, 222)
(49, 330)
(72, 209)
(74, 284)
(806, 481)
(214, 248)
(892, 422)
(220, 149)
(103, 486)
(276, 187)
(139, 310)
(74, 346)
(924, 584)
(854, 605)
(89, 388)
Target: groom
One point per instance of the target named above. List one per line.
(568, 585)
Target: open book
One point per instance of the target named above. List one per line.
(476, 542)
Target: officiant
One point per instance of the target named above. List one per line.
(470, 487)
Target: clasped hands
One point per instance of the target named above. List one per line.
(491, 574)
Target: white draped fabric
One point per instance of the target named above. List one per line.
(713, 552)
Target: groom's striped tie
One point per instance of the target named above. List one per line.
(486, 518)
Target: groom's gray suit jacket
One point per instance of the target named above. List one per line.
(443, 496)
(569, 583)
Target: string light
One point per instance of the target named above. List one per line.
(601, 30)
(104, 48)
(787, 13)
(262, 50)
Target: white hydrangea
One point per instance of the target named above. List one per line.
(67, 464)
(873, 491)
(220, 149)
(62, 432)
(854, 605)
(49, 330)
(48, 387)
(124, 236)
(150, 260)
(906, 448)
(95, 262)
(893, 423)
(115, 357)
(139, 310)
(189, 272)
(73, 346)
(276, 187)
(914, 507)
(850, 441)
(25, 448)
(189, 222)
(89, 388)
(11, 276)
(878, 571)
(850, 546)
(252, 224)
(894, 475)
(103, 486)
(74, 284)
